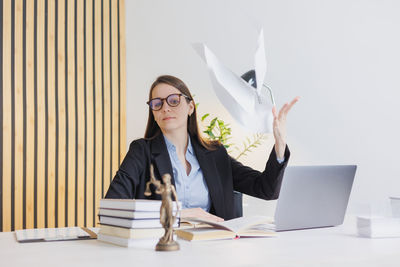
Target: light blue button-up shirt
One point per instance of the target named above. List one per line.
(192, 189)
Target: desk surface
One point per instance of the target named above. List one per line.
(334, 246)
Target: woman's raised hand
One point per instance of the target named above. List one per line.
(279, 126)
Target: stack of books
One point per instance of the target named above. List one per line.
(127, 222)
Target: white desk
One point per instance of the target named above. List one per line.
(337, 246)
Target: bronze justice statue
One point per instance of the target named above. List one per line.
(167, 219)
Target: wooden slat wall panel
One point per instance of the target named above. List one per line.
(17, 117)
(114, 86)
(6, 117)
(98, 103)
(30, 113)
(106, 96)
(90, 210)
(41, 116)
(62, 149)
(122, 79)
(80, 116)
(62, 109)
(71, 192)
(50, 115)
(1, 110)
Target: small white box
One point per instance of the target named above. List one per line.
(395, 203)
(378, 227)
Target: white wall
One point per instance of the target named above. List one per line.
(342, 57)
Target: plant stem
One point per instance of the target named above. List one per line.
(257, 139)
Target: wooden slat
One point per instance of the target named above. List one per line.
(41, 115)
(51, 119)
(71, 114)
(115, 107)
(122, 111)
(61, 114)
(18, 102)
(6, 127)
(89, 108)
(30, 130)
(99, 107)
(106, 90)
(81, 116)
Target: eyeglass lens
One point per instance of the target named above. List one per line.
(172, 100)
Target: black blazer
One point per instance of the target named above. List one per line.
(222, 173)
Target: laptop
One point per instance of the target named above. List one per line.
(313, 196)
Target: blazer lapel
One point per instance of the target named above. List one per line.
(161, 158)
(208, 167)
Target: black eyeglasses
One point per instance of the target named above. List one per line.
(172, 100)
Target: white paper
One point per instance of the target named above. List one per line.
(50, 234)
(260, 63)
(250, 107)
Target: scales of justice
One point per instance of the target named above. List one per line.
(167, 219)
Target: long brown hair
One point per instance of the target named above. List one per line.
(152, 128)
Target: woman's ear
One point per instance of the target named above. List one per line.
(191, 107)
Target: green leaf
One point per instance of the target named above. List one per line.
(205, 116)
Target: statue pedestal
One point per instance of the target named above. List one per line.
(167, 247)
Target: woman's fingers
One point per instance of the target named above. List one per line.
(286, 108)
(282, 111)
(292, 103)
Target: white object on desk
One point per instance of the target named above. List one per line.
(395, 203)
(378, 227)
(53, 234)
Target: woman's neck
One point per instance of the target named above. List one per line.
(179, 139)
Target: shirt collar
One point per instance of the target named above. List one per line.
(171, 146)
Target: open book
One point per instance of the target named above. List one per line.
(257, 226)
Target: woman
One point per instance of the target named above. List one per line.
(202, 171)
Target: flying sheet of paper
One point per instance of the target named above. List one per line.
(250, 107)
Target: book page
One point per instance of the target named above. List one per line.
(239, 224)
(235, 225)
(193, 221)
(259, 230)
